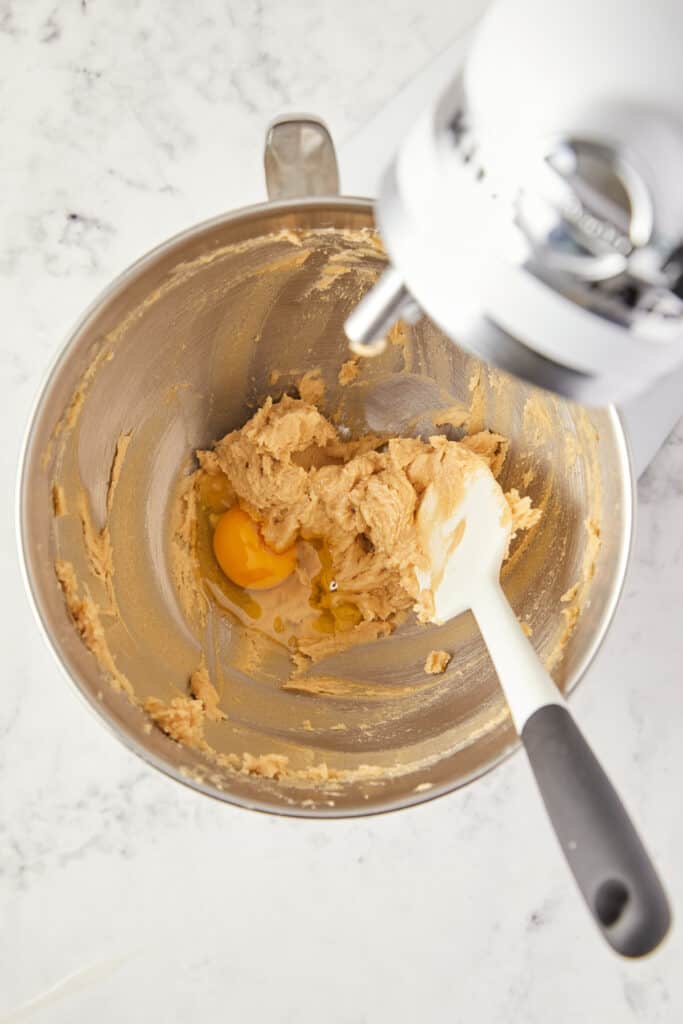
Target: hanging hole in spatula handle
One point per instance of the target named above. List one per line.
(603, 849)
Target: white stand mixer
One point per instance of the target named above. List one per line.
(534, 211)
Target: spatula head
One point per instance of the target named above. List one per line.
(466, 549)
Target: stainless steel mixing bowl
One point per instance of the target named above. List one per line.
(182, 348)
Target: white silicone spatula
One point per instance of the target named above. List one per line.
(603, 849)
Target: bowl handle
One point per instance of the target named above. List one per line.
(299, 158)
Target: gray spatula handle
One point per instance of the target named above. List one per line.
(603, 849)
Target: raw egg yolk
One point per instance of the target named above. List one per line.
(244, 556)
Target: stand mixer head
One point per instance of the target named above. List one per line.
(535, 211)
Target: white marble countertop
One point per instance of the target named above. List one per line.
(123, 896)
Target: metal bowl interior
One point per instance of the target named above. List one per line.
(181, 349)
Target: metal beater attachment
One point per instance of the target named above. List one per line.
(377, 312)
